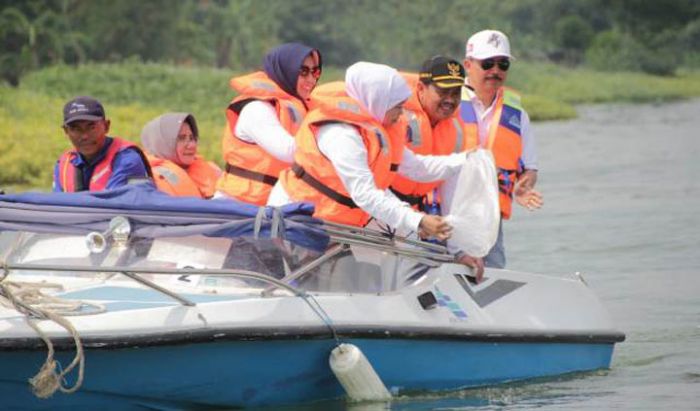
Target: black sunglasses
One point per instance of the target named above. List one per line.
(503, 64)
(314, 71)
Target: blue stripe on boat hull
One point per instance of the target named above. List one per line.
(253, 373)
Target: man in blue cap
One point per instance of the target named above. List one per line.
(96, 162)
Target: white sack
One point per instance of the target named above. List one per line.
(470, 202)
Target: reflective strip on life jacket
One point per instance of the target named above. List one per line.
(459, 131)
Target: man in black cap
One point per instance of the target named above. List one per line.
(96, 162)
(433, 127)
(431, 123)
(438, 89)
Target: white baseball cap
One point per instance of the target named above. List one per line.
(488, 43)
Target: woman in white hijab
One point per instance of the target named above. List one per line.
(343, 160)
(170, 143)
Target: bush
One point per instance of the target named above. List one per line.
(615, 51)
(690, 44)
(202, 91)
(573, 35)
(31, 138)
(30, 116)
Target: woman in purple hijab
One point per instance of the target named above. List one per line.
(258, 141)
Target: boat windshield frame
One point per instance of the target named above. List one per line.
(350, 249)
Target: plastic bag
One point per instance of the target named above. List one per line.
(470, 202)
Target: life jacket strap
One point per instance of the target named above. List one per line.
(251, 175)
(322, 188)
(412, 200)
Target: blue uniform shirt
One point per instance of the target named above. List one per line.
(127, 164)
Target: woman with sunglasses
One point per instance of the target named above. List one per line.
(170, 143)
(258, 138)
(494, 112)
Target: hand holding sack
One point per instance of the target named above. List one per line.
(470, 201)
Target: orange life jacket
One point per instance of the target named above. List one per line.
(504, 140)
(448, 136)
(397, 137)
(397, 131)
(102, 171)
(197, 180)
(313, 178)
(250, 170)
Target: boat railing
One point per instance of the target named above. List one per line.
(346, 236)
(343, 236)
(341, 232)
(130, 272)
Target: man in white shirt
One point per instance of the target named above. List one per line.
(503, 126)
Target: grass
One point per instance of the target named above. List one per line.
(554, 87)
(133, 93)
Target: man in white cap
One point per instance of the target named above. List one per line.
(502, 125)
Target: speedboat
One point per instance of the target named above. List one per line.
(131, 299)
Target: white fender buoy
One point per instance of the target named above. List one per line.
(356, 375)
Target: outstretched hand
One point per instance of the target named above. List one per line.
(524, 192)
(476, 264)
(434, 226)
(528, 198)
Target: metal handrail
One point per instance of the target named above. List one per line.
(308, 298)
(315, 263)
(383, 237)
(164, 271)
(163, 290)
(446, 258)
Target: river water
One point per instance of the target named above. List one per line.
(622, 206)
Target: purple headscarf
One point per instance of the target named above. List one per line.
(282, 65)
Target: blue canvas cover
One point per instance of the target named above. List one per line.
(155, 214)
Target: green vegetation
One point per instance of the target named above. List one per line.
(134, 93)
(551, 90)
(145, 57)
(627, 35)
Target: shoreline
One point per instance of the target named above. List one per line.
(134, 93)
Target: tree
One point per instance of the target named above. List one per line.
(573, 35)
(35, 34)
(242, 30)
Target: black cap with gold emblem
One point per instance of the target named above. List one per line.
(442, 71)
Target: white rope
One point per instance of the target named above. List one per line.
(27, 299)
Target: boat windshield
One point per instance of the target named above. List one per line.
(213, 261)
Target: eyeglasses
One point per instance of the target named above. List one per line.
(503, 64)
(315, 71)
(184, 139)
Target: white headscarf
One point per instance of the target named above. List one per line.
(159, 136)
(377, 87)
